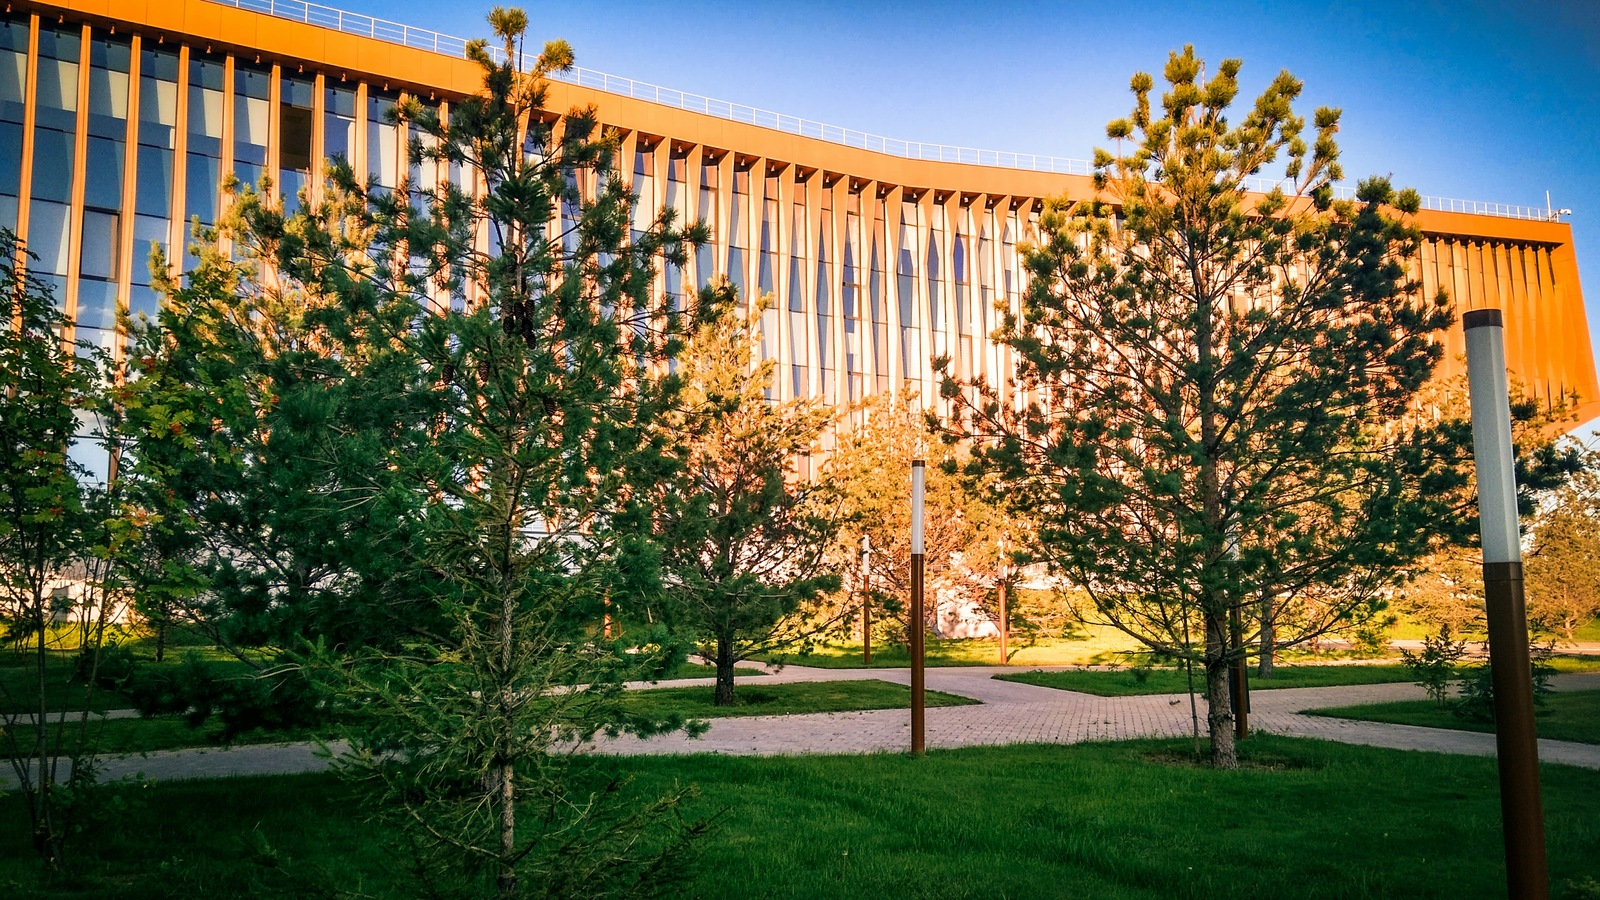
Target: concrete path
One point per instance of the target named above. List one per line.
(1009, 713)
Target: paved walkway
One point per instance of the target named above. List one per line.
(1009, 713)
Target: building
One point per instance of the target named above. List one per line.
(119, 119)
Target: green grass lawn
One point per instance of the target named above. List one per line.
(1095, 646)
(19, 686)
(1135, 682)
(119, 736)
(113, 736)
(1131, 820)
(696, 670)
(1565, 716)
(785, 699)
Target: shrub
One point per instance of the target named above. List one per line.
(1477, 689)
(115, 668)
(1435, 667)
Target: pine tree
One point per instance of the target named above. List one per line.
(1215, 381)
(435, 413)
(746, 537)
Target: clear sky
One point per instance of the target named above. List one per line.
(1470, 99)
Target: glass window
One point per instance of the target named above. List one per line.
(876, 281)
(52, 164)
(295, 117)
(203, 167)
(54, 140)
(47, 237)
(252, 121)
(422, 173)
(707, 212)
(152, 205)
(339, 122)
(109, 59)
(825, 314)
(646, 206)
(765, 279)
(384, 148)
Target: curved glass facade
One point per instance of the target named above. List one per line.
(874, 263)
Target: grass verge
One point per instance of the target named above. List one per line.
(696, 670)
(785, 699)
(1565, 716)
(1127, 820)
(1093, 647)
(1137, 682)
(120, 736)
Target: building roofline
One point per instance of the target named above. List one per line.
(362, 25)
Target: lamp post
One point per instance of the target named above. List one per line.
(918, 480)
(1521, 812)
(1005, 618)
(1238, 669)
(866, 600)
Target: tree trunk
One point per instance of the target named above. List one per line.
(161, 638)
(1219, 708)
(725, 663)
(44, 831)
(1268, 636)
(505, 770)
(506, 878)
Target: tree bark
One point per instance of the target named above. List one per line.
(1219, 707)
(161, 638)
(725, 661)
(505, 770)
(1268, 636)
(506, 878)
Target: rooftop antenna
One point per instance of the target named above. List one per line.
(1551, 212)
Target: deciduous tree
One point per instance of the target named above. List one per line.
(61, 534)
(1564, 567)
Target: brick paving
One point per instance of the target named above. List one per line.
(1009, 713)
(1022, 713)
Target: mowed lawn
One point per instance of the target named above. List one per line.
(1304, 819)
(1134, 682)
(117, 736)
(1565, 716)
(756, 699)
(1092, 647)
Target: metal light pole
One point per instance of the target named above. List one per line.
(866, 600)
(1521, 813)
(1239, 675)
(918, 480)
(1005, 619)
(1239, 668)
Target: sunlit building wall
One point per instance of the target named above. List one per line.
(119, 120)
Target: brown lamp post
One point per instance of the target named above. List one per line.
(1005, 618)
(918, 480)
(1521, 811)
(866, 600)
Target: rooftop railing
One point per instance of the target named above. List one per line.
(423, 39)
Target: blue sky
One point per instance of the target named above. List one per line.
(1467, 99)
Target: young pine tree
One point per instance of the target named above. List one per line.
(1212, 380)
